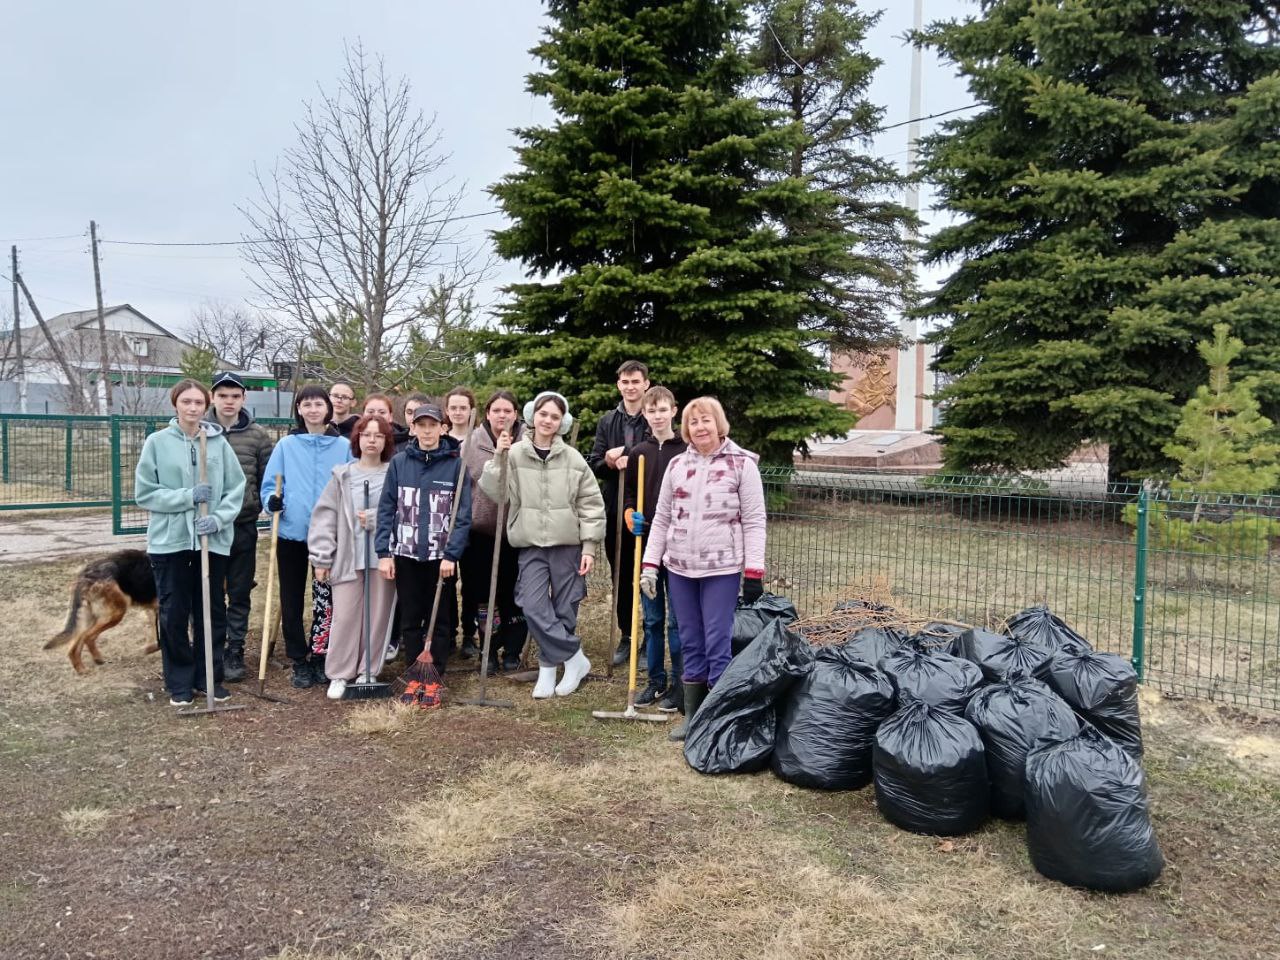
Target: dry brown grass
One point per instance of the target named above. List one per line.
(84, 821)
(383, 718)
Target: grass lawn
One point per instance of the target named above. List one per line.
(325, 830)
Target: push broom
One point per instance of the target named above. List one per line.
(631, 713)
(368, 687)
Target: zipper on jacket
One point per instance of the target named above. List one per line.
(195, 478)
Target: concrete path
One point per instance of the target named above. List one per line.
(27, 537)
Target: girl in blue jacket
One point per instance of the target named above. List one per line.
(167, 485)
(304, 459)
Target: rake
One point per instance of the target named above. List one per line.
(631, 713)
(483, 700)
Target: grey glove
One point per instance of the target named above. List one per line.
(206, 526)
(201, 493)
(649, 583)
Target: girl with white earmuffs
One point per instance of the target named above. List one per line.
(555, 513)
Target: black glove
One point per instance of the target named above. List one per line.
(752, 589)
(275, 503)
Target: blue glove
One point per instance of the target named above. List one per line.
(201, 493)
(206, 526)
(637, 523)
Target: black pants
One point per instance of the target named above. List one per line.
(415, 592)
(293, 565)
(626, 596)
(239, 582)
(178, 588)
(510, 631)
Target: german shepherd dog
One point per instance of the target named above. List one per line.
(108, 587)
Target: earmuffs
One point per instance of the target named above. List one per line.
(566, 422)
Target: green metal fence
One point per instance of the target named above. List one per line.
(1196, 620)
(128, 434)
(52, 461)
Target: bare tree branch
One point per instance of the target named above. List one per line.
(355, 221)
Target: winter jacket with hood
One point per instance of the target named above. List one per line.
(476, 452)
(162, 485)
(417, 499)
(331, 538)
(553, 502)
(710, 518)
(346, 425)
(252, 445)
(305, 460)
(617, 428)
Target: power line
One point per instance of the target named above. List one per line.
(932, 116)
(256, 240)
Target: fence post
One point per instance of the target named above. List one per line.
(116, 510)
(1138, 659)
(67, 458)
(4, 449)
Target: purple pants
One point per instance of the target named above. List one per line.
(704, 609)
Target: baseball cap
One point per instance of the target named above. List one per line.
(227, 378)
(428, 410)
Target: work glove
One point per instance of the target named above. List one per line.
(649, 583)
(206, 526)
(635, 522)
(752, 588)
(275, 503)
(201, 493)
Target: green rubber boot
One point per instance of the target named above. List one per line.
(694, 694)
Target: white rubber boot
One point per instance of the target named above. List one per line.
(545, 688)
(575, 668)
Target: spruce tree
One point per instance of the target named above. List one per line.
(1117, 197)
(815, 72)
(647, 217)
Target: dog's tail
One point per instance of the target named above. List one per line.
(68, 631)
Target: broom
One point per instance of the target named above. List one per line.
(422, 684)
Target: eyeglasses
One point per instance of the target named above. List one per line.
(342, 396)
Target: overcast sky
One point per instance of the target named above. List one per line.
(149, 117)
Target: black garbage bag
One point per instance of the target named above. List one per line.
(1038, 625)
(750, 619)
(873, 644)
(999, 657)
(938, 638)
(733, 731)
(1103, 689)
(859, 604)
(936, 678)
(930, 773)
(1088, 824)
(827, 723)
(1011, 716)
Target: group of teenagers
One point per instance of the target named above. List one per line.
(368, 518)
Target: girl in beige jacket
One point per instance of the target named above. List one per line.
(556, 517)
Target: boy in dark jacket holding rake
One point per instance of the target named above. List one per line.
(414, 544)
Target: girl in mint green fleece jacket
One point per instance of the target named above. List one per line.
(167, 485)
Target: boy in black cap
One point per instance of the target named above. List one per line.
(414, 544)
(252, 446)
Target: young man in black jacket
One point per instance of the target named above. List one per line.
(252, 446)
(618, 431)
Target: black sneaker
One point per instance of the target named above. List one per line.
(650, 693)
(303, 676)
(469, 649)
(233, 665)
(220, 693)
(674, 700)
(317, 672)
(494, 669)
(510, 664)
(622, 654)
(180, 700)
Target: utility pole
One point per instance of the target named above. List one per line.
(102, 323)
(908, 382)
(17, 333)
(73, 379)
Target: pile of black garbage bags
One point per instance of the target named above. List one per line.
(951, 725)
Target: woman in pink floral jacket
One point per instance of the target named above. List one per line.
(708, 530)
